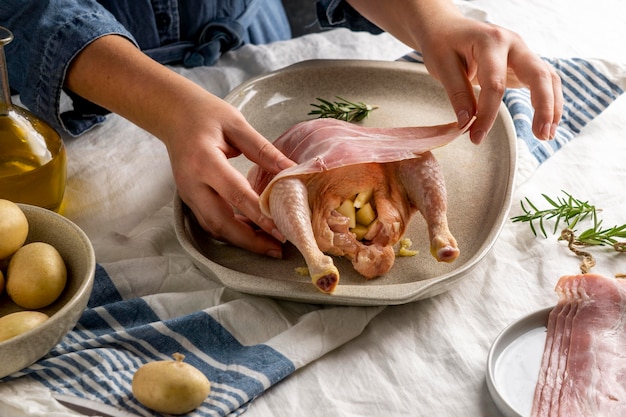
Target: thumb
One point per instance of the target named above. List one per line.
(258, 149)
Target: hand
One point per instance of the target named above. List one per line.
(213, 188)
(459, 51)
(467, 52)
(199, 130)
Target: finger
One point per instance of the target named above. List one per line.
(557, 109)
(492, 78)
(547, 112)
(545, 92)
(559, 102)
(258, 149)
(217, 217)
(234, 188)
(452, 74)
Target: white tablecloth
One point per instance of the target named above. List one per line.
(421, 359)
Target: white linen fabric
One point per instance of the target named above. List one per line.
(420, 359)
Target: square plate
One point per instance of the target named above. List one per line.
(479, 181)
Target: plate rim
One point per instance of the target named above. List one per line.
(517, 328)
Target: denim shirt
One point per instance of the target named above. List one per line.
(49, 34)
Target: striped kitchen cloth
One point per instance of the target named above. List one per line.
(587, 90)
(243, 344)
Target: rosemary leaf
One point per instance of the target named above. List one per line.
(603, 237)
(342, 110)
(568, 210)
(572, 212)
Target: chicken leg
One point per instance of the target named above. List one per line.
(290, 210)
(424, 184)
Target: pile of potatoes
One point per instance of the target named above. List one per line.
(36, 276)
(362, 216)
(360, 212)
(33, 275)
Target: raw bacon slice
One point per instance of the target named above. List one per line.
(555, 357)
(337, 160)
(583, 370)
(323, 144)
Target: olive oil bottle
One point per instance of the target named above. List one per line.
(33, 164)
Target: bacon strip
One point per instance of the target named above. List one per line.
(583, 370)
(323, 144)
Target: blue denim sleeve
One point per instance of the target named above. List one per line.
(338, 13)
(47, 36)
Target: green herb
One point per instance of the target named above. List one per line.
(342, 110)
(572, 211)
(603, 237)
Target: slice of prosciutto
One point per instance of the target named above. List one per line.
(337, 160)
(583, 369)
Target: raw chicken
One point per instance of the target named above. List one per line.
(583, 370)
(336, 161)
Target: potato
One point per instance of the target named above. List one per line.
(359, 231)
(360, 212)
(362, 198)
(347, 209)
(15, 324)
(36, 276)
(13, 228)
(405, 248)
(170, 386)
(365, 215)
(302, 271)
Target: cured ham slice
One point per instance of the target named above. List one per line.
(583, 369)
(337, 160)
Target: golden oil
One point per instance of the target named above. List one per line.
(32, 161)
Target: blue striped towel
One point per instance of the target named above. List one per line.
(242, 343)
(114, 337)
(587, 92)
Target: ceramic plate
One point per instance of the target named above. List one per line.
(514, 362)
(479, 180)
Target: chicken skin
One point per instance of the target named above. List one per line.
(338, 160)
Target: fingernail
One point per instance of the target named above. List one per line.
(279, 236)
(553, 130)
(478, 136)
(546, 131)
(274, 253)
(462, 118)
(285, 163)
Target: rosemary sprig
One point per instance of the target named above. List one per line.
(570, 210)
(343, 110)
(602, 237)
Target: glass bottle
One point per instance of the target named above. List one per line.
(33, 164)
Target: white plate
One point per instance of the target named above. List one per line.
(514, 361)
(479, 180)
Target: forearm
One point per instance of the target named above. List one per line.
(114, 74)
(409, 21)
(48, 35)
